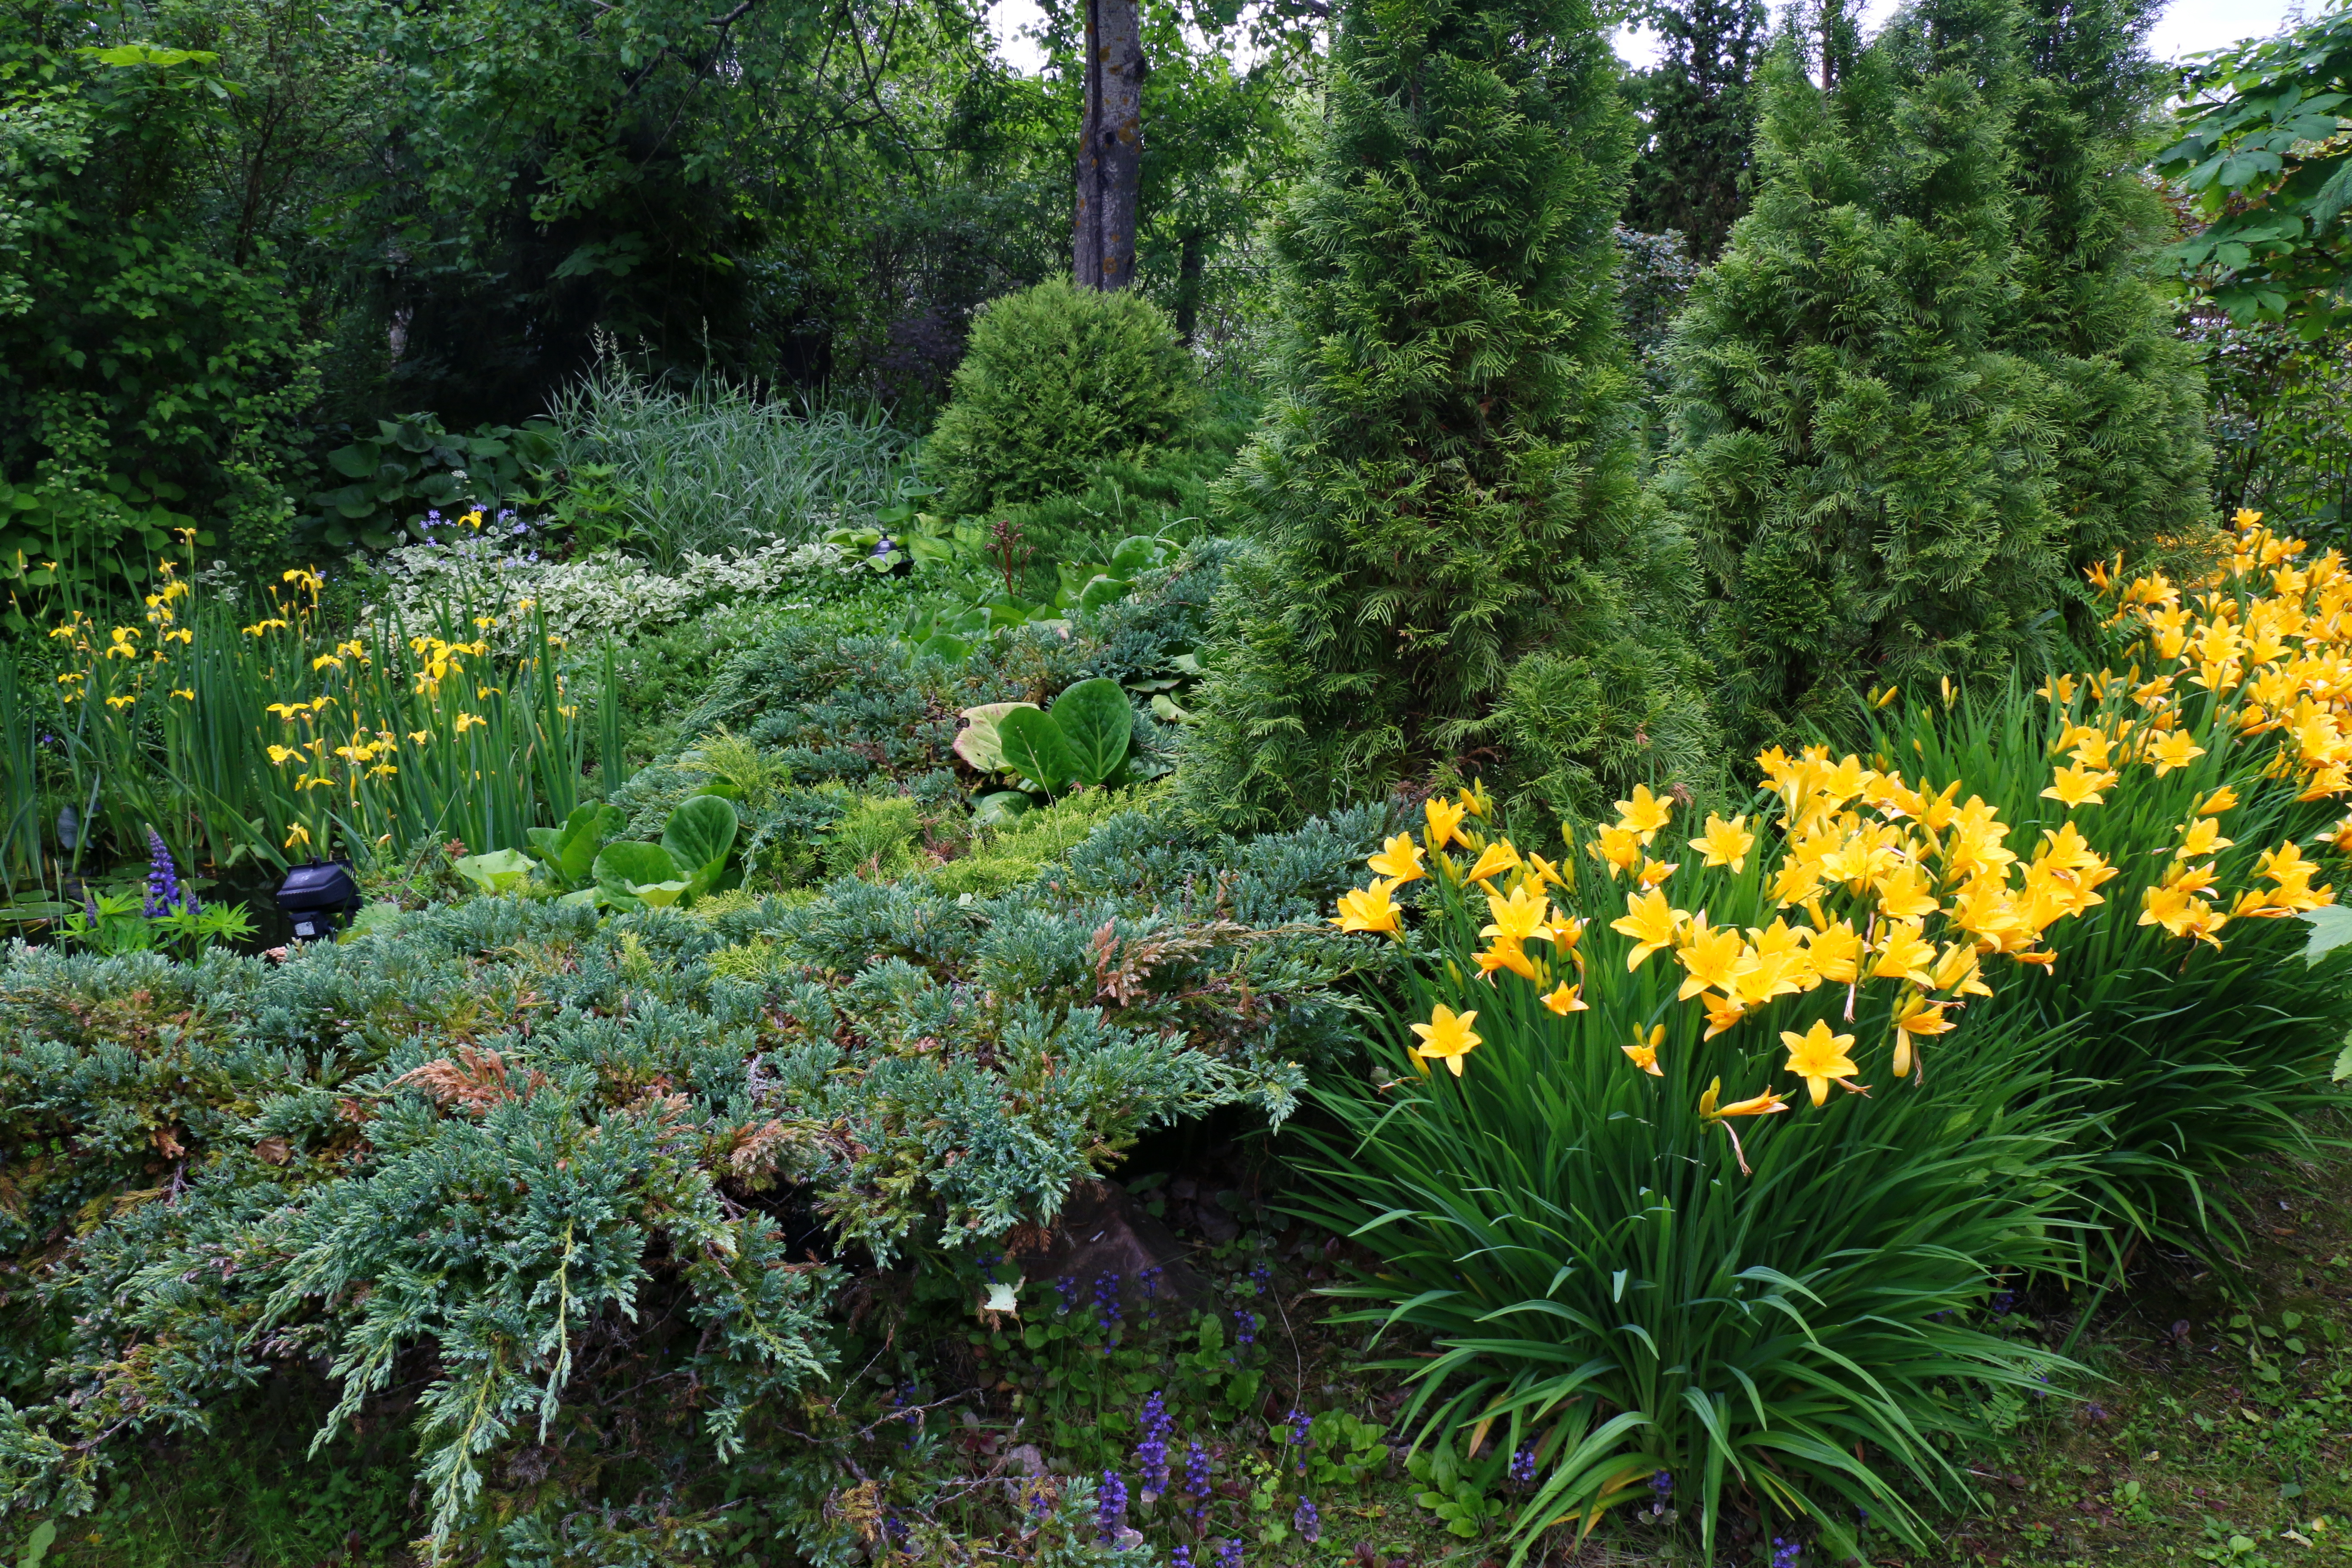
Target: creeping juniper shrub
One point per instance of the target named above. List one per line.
(503, 1111)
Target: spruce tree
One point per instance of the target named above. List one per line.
(1910, 396)
(1452, 553)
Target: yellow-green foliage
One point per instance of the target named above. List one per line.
(1007, 857)
(874, 838)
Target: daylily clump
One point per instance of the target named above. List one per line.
(1894, 893)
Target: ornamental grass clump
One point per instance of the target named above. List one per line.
(1699, 1185)
(2206, 773)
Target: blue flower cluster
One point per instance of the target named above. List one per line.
(164, 894)
(1111, 1504)
(1151, 1453)
(1196, 1480)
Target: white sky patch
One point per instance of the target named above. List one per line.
(2187, 27)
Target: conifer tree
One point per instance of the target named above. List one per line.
(1916, 395)
(1698, 117)
(2130, 463)
(1452, 550)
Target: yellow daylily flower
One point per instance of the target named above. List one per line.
(1903, 955)
(1399, 861)
(1444, 819)
(1917, 1015)
(2177, 750)
(1644, 813)
(1524, 915)
(1817, 1057)
(1644, 1052)
(2220, 801)
(1725, 843)
(1494, 860)
(1713, 959)
(1506, 954)
(1716, 1114)
(1564, 999)
(2078, 786)
(1447, 1037)
(1368, 908)
(1651, 922)
(2200, 835)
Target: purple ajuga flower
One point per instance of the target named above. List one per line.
(1229, 1555)
(1111, 1504)
(1299, 1423)
(164, 894)
(1107, 1299)
(1196, 1480)
(2003, 1303)
(1244, 1327)
(1068, 1290)
(1180, 1557)
(1151, 1453)
(1523, 1465)
(1308, 1522)
(1785, 1552)
(1662, 1485)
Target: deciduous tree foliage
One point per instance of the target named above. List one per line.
(2262, 160)
(1451, 547)
(1929, 380)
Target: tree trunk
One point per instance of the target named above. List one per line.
(1111, 146)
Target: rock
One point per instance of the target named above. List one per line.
(1102, 1230)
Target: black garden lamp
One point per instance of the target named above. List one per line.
(318, 898)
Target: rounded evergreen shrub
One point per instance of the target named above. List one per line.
(1056, 380)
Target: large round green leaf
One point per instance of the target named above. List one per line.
(625, 868)
(1033, 745)
(698, 835)
(1095, 720)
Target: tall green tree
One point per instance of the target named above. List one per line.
(1928, 382)
(1697, 109)
(154, 368)
(1450, 547)
(2129, 459)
